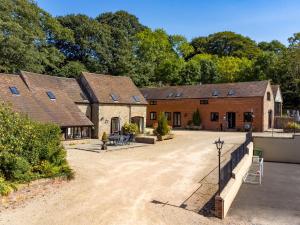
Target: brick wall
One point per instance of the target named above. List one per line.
(221, 105)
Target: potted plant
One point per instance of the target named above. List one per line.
(130, 128)
(104, 141)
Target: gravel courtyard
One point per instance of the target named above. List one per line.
(118, 187)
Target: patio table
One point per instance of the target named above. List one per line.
(114, 139)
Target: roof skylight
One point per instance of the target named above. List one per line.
(114, 97)
(136, 98)
(14, 90)
(170, 95)
(231, 92)
(83, 96)
(215, 93)
(179, 94)
(51, 95)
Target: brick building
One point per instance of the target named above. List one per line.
(227, 106)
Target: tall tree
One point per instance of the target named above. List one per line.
(91, 42)
(273, 46)
(226, 43)
(26, 35)
(123, 27)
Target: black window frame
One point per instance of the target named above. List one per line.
(153, 117)
(249, 115)
(203, 101)
(168, 115)
(214, 116)
(153, 102)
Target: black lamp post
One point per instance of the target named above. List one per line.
(219, 145)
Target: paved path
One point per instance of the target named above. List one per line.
(127, 186)
(275, 202)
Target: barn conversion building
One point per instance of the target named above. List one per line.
(83, 108)
(229, 106)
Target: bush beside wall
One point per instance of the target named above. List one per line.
(29, 150)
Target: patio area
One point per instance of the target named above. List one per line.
(274, 202)
(94, 145)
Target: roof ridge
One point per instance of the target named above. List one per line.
(201, 85)
(108, 75)
(48, 75)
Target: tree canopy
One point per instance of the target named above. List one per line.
(117, 43)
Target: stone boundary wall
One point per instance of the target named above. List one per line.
(227, 196)
(279, 149)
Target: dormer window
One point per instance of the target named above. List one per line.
(215, 93)
(231, 92)
(14, 90)
(51, 95)
(136, 99)
(114, 97)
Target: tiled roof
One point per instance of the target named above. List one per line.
(37, 105)
(52, 83)
(106, 88)
(241, 89)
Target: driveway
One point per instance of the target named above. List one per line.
(275, 202)
(124, 187)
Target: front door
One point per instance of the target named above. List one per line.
(231, 120)
(115, 125)
(176, 119)
(270, 115)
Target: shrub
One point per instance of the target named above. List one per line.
(5, 187)
(104, 137)
(162, 125)
(130, 128)
(196, 118)
(293, 125)
(29, 150)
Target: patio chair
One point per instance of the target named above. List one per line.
(126, 139)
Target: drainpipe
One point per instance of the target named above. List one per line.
(129, 113)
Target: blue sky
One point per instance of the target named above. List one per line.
(260, 20)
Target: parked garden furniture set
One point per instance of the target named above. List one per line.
(119, 139)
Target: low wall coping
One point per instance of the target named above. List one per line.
(231, 189)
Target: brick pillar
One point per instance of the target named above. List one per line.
(219, 207)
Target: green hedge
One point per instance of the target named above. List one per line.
(29, 150)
